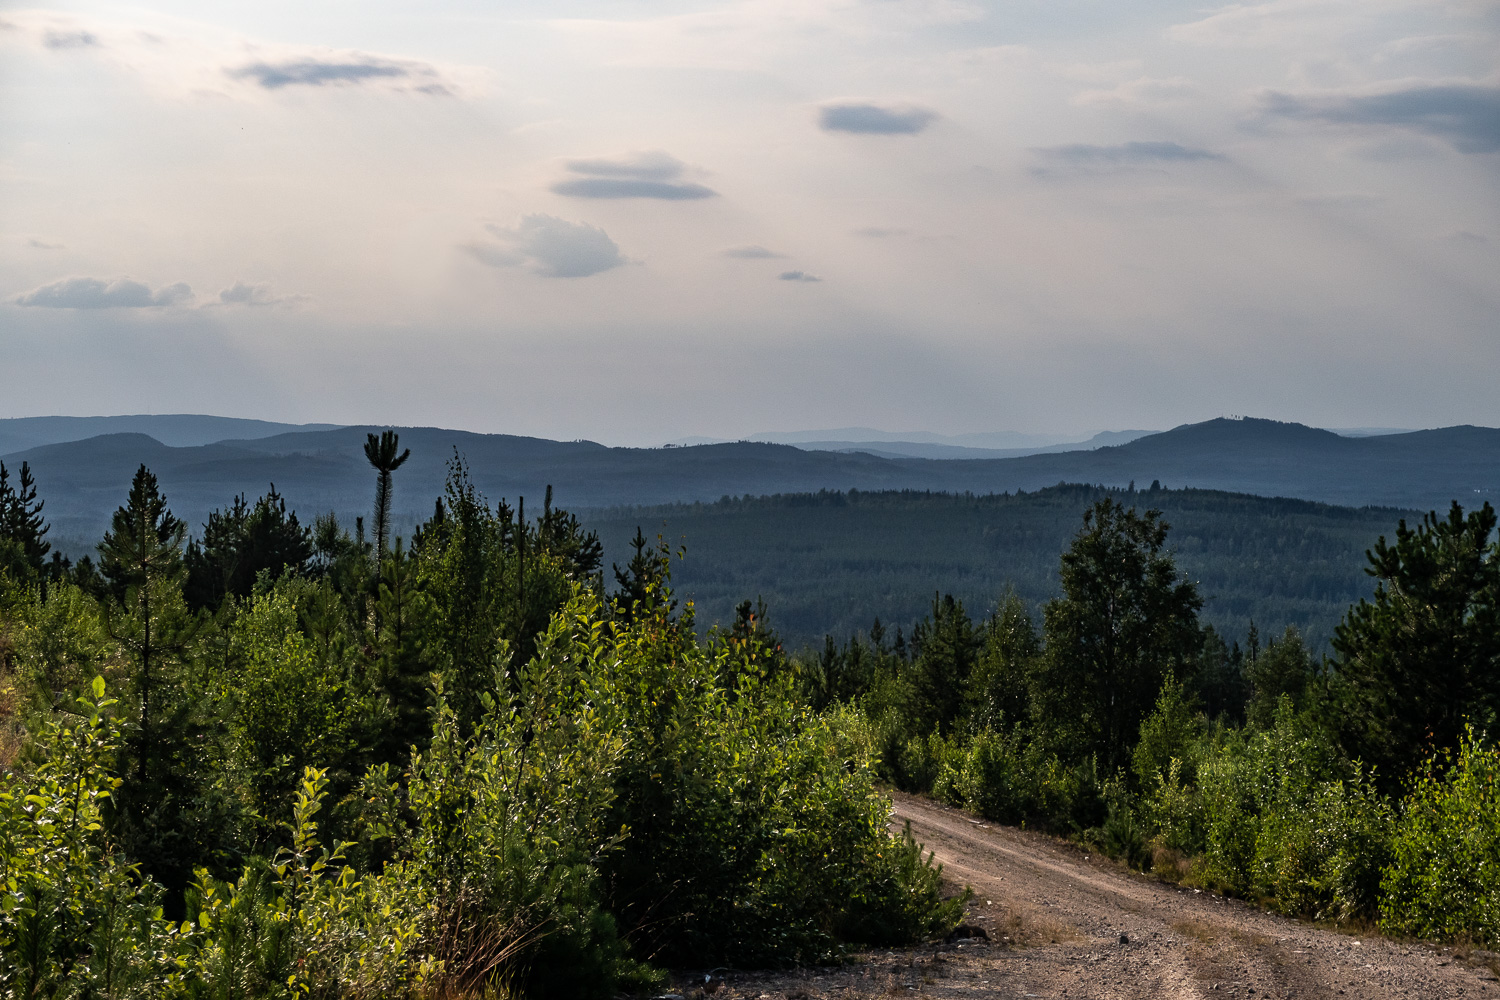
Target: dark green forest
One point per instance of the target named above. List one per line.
(267, 756)
(828, 563)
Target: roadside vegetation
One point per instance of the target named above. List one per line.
(1360, 786)
(277, 759)
(290, 761)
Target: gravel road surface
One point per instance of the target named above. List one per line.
(1065, 924)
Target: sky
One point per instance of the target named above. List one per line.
(638, 220)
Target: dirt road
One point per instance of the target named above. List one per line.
(1064, 924)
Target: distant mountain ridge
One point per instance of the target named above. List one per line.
(906, 448)
(320, 470)
(179, 430)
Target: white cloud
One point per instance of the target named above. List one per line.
(639, 175)
(1086, 159)
(93, 293)
(798, 276)
(1278, 23)
(549, 246)
(862, 118)
(1466, 115)
(751, 252)
(181, 58)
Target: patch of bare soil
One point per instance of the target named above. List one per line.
(1064, 924)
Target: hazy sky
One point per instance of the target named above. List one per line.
(635, 221)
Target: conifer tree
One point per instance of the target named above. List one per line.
(141, 557)
(1422, 658)
(998, 691)
(239, 543)
(166, 813)
(382, 454)
(22, 527)
(559, 533)
(403, 613)
(947, 648)
(643, 582)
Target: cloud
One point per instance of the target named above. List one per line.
(1467, 116)
(798, 276)
(873, 119)
(880, 232)
(1128, 154)
(641, 175)
(190, 61)
(37, 244)
(751, 252)
(351, 69)
(549, 246)
(244, 294)
(52, 38)
(654, 165)
(92, 293)
(609, 187)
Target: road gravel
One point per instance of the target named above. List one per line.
(1063, 923)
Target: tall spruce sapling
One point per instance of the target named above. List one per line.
(402, 613)
(643, 585)
(560, 534)
(166, 813)
(998, 692)
(141, 557)
(385, 456)
(1285, 668)
(946, 647)
(23, 550)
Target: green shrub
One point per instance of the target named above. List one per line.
(1444, 876)
(1122, 836)
(625, 779)
(1170, 733)
(1010, 777)
(60, 641)
(900, 898)
(756, 835)
(74, 916)
(1285, 820)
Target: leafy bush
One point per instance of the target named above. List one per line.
(1169, 734)
(1286, 821)
(756, 835)
(60, 641)
(1010, 778)
(900, 899)
(1444, 876)
(1122, 836)
(72, 911)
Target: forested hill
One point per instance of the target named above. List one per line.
(177, 429)
(321, 470)
(829, 563)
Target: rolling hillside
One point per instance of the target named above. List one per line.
(319, 470)
(829, 563)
